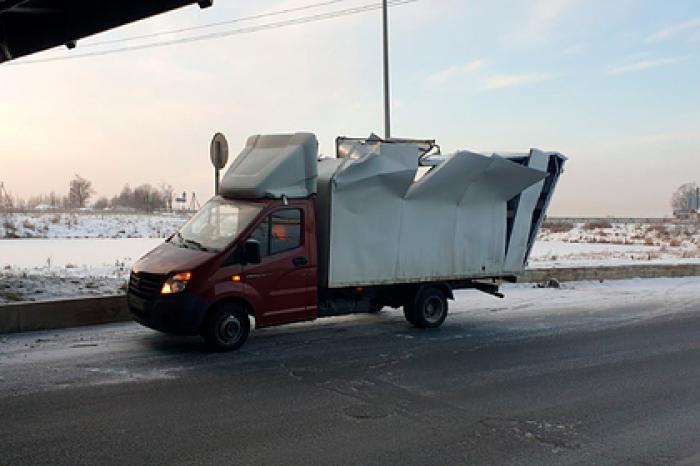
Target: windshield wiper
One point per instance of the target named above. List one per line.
(186, 242)
(179, 236)
(194, 243)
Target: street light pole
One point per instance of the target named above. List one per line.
(387, 110)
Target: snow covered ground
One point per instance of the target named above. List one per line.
(50, 255)
(90, 225)
(558, 253)
(91, 254)
(590, 244)
(41, 269)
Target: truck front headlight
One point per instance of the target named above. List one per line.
(176, 283)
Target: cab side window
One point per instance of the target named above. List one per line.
(285, 230)
(279, 232)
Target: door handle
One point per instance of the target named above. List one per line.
(300, 261)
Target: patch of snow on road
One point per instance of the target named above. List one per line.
(632, 299)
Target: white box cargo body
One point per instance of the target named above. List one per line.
(470, 216)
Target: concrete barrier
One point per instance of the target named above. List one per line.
(46, 315)
(635, 220)
(93, 311)
(570, 274)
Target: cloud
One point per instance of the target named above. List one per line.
(513, 80)
(546, 11)
(670, 31)
(453, 72)
(642, 65)
(544, 14)
(537, 21)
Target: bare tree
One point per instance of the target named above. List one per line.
(80, 191)
(682, 195)
(125, 197)
(167, 192)
(6, 201)
(102, 203)
(34, 201)
(147, 198)
(54, 199)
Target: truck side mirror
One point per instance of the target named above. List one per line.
(252, 251)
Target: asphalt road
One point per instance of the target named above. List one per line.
(593, 374)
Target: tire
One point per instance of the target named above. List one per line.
(408, 314)
(226, 328)
(375, 308)
(428, 309)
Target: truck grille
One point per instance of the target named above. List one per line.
(145, 285)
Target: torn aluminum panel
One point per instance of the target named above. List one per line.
(273, 166)
(530, 207)
(379, 226)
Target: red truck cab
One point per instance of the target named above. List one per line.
(232, 259)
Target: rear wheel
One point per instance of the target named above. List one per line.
(227, 328)
(428, 309)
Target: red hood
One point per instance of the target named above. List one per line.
(168, 258)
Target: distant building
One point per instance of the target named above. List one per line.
(692, 211)
(694, 202)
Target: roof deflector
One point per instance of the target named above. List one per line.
(273, 166)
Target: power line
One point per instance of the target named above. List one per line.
(216, 24)
(221, 34)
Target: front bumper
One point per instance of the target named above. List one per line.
(179, 314)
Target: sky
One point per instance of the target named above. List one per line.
(614, 85)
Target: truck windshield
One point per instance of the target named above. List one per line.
(216, 224)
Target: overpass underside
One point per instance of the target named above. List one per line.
(30, 26)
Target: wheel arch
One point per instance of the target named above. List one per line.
(228, 300)
(442, 286)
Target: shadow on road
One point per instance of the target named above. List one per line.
(174, 344)
(385, 332)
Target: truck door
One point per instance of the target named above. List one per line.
(279, 283)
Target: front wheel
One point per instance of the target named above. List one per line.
(227, 328)
(375, 308)
(428, 309)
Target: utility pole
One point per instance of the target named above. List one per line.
(387, 100)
